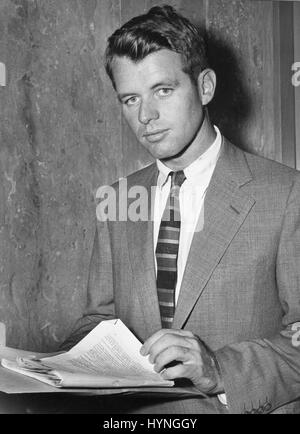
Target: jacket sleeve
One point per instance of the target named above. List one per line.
(100, 294)
(264, 374)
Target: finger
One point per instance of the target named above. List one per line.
(167, 341)
(177, 371)
(183, 371)
(152, 339)
(172, 354)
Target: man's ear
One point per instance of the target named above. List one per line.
(206, 85)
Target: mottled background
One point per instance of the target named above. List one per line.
(62, 135)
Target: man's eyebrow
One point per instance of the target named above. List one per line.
(167, 82)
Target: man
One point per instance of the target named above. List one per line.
(213, 291)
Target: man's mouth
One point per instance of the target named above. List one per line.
(156, 135)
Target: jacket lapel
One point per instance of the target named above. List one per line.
(141, 252)
(225, 209)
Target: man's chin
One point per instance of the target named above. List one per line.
(165, 153)
(166, 157)
(162, 154)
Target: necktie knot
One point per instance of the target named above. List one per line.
(177, 178)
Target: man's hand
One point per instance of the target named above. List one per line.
(195, 360)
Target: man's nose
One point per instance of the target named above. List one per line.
(147, 113)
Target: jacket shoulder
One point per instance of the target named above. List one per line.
(267, 171)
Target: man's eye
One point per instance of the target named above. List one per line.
(131, 101)
(164, 91)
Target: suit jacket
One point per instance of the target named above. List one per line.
(241, 288)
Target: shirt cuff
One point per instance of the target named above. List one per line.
(222, 398)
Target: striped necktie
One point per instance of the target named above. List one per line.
(167, 251)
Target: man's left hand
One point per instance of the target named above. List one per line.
(195, 360)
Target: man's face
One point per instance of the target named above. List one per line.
(159, 101)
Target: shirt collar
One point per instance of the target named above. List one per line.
(197, 167)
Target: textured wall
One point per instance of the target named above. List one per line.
(61, 136)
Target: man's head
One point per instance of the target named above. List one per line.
(160, 28)
(158, 67)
